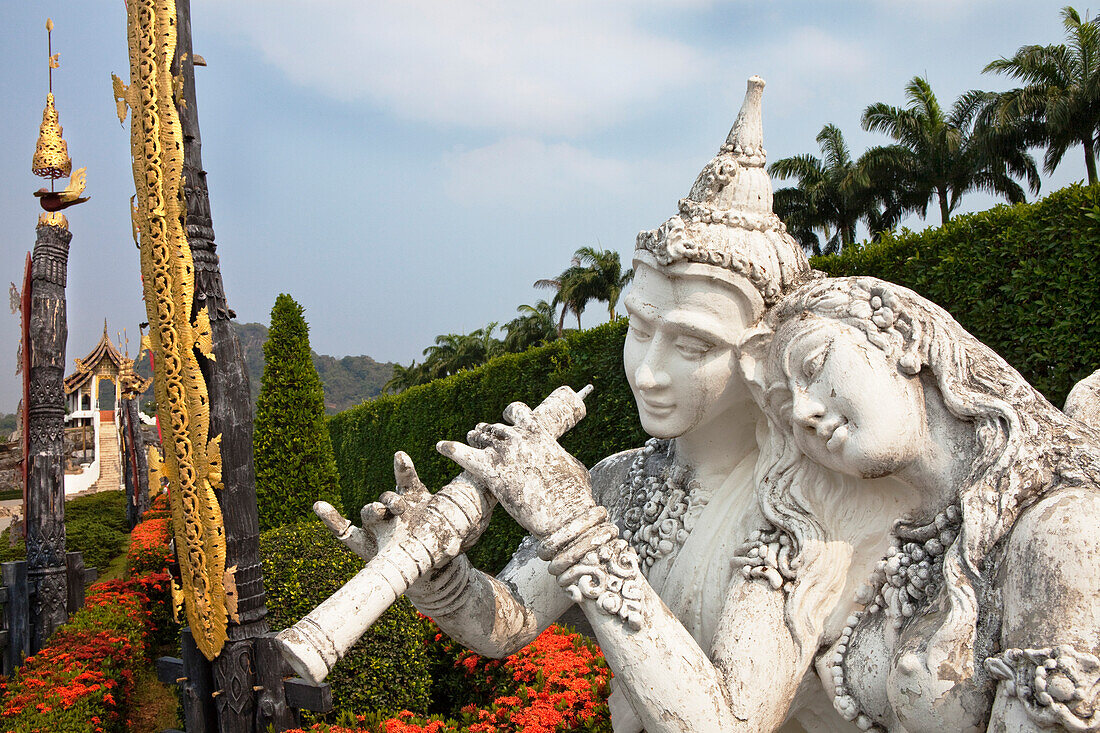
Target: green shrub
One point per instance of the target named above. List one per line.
(386, 670)
(294, 463)
(365, 438)
(1024, 279)
(94, 525)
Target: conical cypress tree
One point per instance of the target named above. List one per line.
(294, 461)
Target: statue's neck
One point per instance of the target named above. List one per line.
(715, 448)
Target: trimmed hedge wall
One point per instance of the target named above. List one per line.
(1024, 279)
(365, 438)
(388, 669)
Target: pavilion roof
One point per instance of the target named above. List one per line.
(87, 366)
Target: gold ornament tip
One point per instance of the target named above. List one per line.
(49, 25)
(53, 219)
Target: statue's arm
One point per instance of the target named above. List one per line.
(494, 617)
(1048, 672)
(747, 682)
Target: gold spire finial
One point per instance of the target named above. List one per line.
(51, 154)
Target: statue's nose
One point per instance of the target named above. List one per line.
(807, 411)
(650, 374)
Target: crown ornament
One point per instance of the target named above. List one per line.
(51, 154)
(51, 157)
(727, 221)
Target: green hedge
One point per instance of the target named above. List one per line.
(365, 438)
(94, 525)
(388, 669)
(1024, 279)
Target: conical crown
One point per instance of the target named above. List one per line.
(51, 154)
(727, 221)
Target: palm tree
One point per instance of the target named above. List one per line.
(454, 352)
(592, 275)
(573, 289)
(405, 377)
(833, 193)
(607, 272)
(942, 155)
(1059, 103)
(534, 326)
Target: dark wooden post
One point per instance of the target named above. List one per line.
(45, 520)
(230, 416)
(74, 573)
(136, 463)
(16, 615)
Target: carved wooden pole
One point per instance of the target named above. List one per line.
(136, 464)
(239, 707)
(45, 521)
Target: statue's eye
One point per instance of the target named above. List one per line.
(639, 331)
(693, 348)
(814, 363)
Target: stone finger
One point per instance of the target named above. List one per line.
(520, 415)
(408, 481)
(394, 502)
(471, 459)
(372, 513)
(332, 519)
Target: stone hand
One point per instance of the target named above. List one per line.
(396, 513)
(541, 485)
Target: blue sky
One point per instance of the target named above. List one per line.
(410, 169)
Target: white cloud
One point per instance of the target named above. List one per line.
(513, 67)
(534, 176)
(809, 63)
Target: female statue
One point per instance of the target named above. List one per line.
(949, 509)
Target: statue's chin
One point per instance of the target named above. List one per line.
(659, 428)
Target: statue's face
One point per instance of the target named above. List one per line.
(679, 353)
(853, 411)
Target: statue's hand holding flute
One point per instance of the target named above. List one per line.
(410, 532)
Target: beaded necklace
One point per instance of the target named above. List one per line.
(657, 509)
(901, 584)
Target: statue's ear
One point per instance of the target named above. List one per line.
(752, 356)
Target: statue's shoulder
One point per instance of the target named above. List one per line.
(1052, 571)
(610, 475)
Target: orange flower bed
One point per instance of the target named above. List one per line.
(559, 682)
(83, 680)
(148, 550)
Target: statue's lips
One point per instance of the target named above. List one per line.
(835, 435)
(657, 409)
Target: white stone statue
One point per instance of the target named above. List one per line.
(919, 554)
(945, 509)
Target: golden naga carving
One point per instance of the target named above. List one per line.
(192, 460)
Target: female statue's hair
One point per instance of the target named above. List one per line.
(1014, 429)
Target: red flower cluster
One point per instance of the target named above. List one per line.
(83, 679)
(149, 546)
(559, 682)
(158, 509)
